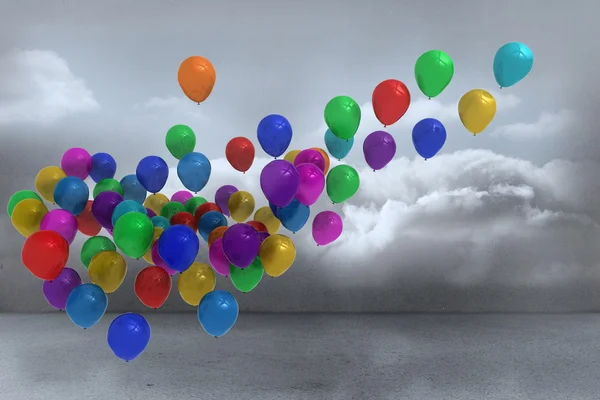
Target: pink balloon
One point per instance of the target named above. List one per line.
(312, 183)
(217, 258)
(158, 261)
(62, 222)
(76, 162)
(327, 227)
(182, 196)
(310, 156)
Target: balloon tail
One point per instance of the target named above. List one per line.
(429, 98)
(385, 126)
(373, 170)
(318, 245)
(244, 173)
(500, 87)
(474, 134)
(425, 159)
(198, 103)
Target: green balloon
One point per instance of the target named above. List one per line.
(17, 197)
(245, 280)
(93, 246)
(108, 185)
(342, 183)
(180, 140)
(171, 208)
(133, 234)
(433, 72)
(192, 204)
(342, 116)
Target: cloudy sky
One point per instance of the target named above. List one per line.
(507, 220)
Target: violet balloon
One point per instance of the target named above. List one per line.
(182, 196)
(58, 290)
(103, 206)
(310, 156)
(76, 162)
(241, 244)
(262, 236)
(62, 222)
(312, 183)
(327, 227)
(158, 261)
(150, 213)
(222, 196)
(379, 149)
(217, 258)
(279, 181)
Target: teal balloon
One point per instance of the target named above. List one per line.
(512, 63)
(194, 171)
(133, 189)
(160, 222)
(125, 207)
(86, 305)
(338, 148)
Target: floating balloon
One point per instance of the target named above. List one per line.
(290, 156)
(180, 140)
(128, 336)
(391, 99)
(133, 189)
(152, 286)
(433, 72)
(342, 116)
(61, 222)
(217, 258)
(178, 246)
(379, 149)
(429, 136)
(279, 181)
(107, 270)
(262, 236)
(46, 181)
(267, 217)
(181, 196)
(192, 204)
(327, 227)
(28, 215)
(159, 262)
(108, 185)
(209, 222)
(127, 206)
(274, 134)
(76, 162)
(86, 305)
(218, 312)
(57, 290)
(240, 153)
(310, 156)
(194, 171)
(512, 63)
(222, 196)
(312, 183)
(241, 244)
(325, 157)
(476, 109)
(245, 280)
(277, 254)
(185, 218)
(18, 197)
(206, 207)
(93, 246)
(71, 194)
(86, 222)
(294, 216)
(338, 148)
(196, 77)
(45, 254)
(133, 234)
(103, 207)
(259, 226)
(160, 222)
(342, 183)
(104, 166)
(241, 205)
(152, 173)
(216, 234)
(171, 208)
(195, 282)
(155, 202)
(148, 255)
(149, 212)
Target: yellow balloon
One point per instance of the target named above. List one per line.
(277, 254)
(195, 282)
(107, 270)
(148, 256)
(241, 205)
(155, 202)
(46, 181)
(266, 216)
(291, 155)
(27, 216)
(476, 109)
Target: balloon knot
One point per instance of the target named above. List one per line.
(318, 245)
(474, 134)
(198, 103)
(429, 98)
(216, 337)
(244, 173)
(373, 170)
(425, 159)
(385, 126)
(500, 87)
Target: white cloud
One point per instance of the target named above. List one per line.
(169, 111)
(548, 125)
(38, 86)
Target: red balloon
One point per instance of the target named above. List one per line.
(206, 207)
(259, 226)
(45, 254)
(184, 218)
(240, 153)
(86, 222)
(391, 99)
(152, 286)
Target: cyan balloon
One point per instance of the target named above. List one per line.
(428, 136)
(217, 312)
(274, 134)
(209, 221)
(338, 148)
(125, 207)
(86, 305)
(104, 166)
(160, 222)
(128, 336)
(194, 171)
(152, 172)
(71, 194)
(512, 62)
(133, 189)
(294, 216)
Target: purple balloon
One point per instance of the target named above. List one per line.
(312, 183)
(217, 258)
(327, 227)
(150, 213)
(103, 206)
(182, 196)
(262, 236)
(76, 162)
(310, 156)
(158, 261)
(279, 181)
(62, 222)
(379, 149)
(241, 244)
(222, 197)
(57, 290)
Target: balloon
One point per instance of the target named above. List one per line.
(156, 234)
(104, 166)
(103, 207)
(152, 286)
(433, 72)
(185, 218)
(45, 254)
(274, 134)
(294, 216)
(160, 222)
(196, 77)
(76, 162)
(267, 217)
(182, 196)
(195, 282)
(159, 262)
(86, 222)
(127, 206)
(279, 181)
(310, 156)
(152, 173)
(209, 222)
(86, 305)
(62, 222)
(93, 246)
(46, 181)
(262, 236)
(149, 212)
(342, 116)
(327, 227)
(217, 312)
(28, 215)
(107, 270)
(128, 336)
(245, 280)
(429, 136)
(379, 149)
(259, 226)
(277, 254)
(180, 140)
(290, 156)
(217, 257)
(512, 62)
(338, 148)
(71, 194)
(133, 234)
(192, 204)
(342, 183)
(133, 189)
(171, 208)
(240, 153)
(222, 196)
(18, 197)
(178, 246)
(155, 202)
(241, 244)
(476, 109)
(57, 290)
(108, 185)
(312, 183)
(241, 205)
(391, 99)
(194, 171)
(325, 157)
(216, 234)
(206, 207)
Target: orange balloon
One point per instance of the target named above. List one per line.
(86, 222)
(325, 157)
(197, 77)
(216, 234)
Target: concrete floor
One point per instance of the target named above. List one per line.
(289, 357)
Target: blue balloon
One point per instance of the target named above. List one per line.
(274, 210)
(86, 305)
(512, 62)
(178, 246)
(152, 172)
(194, 171)
(71, 194)
(274, 134)
(338, 148)
(429, 136)
(127, 206)
(209, 221)
(217, 312)
(128, 335)
(160, 222)
(103, 166)
(133, 189)
(294, 216)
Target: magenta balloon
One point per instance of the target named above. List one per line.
(312, 183)
(310, 156)
(58, 289)
(241, 244)
(182, 196)
(379, 149)
(62, 222)
(158, 261)
(150, 213)
(76, 162)
(279, 181)
(222, 196)
(327, 227)
(110, 231)
(103, 206)
(217, 258)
